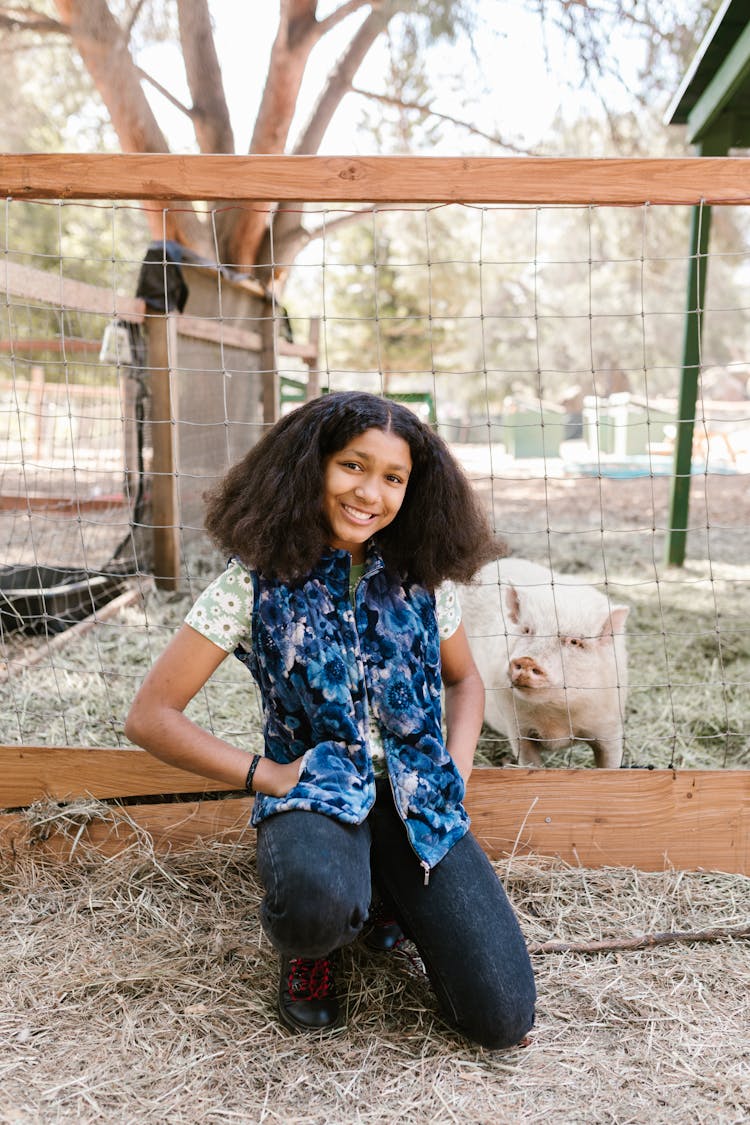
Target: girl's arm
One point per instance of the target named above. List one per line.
(157, 723)
(464, 700)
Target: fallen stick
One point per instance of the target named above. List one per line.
(643, 941)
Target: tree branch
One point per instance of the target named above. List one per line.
(101, 43)
(286, 225)
(296, 236)
(427, 111)
(26, 19)
(296, 36)
(643, 941)
(342, 13)
(341, 78)
(165, 93)
(133, 19)
(240, 237)
(210, 113)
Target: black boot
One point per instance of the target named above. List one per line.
(385, 933)
(307, 994)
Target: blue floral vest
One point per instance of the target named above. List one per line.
(322, 666)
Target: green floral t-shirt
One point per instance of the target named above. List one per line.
(224, 611)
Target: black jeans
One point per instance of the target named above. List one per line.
(318, 876)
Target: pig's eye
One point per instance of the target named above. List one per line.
(573, 642)
(526, 629)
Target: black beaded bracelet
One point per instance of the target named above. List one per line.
(251, 773)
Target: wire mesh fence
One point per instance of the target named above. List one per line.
(543, 341)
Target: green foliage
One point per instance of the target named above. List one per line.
(445, 19)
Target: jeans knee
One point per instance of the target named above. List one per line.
(498, 1031)
(312, 924)
(498, 1014)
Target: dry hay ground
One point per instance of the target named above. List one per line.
(142, 989)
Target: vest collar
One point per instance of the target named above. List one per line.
(334, 565)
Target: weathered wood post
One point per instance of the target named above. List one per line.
(161, 336)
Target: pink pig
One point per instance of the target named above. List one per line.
(551, 651)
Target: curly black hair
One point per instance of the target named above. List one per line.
(268, 508)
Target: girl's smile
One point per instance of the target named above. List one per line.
(364, 485)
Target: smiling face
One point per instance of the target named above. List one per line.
(364, 485)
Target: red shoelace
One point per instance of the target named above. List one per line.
(309, 980)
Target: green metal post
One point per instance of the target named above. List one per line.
(717, 142)
(691, 358)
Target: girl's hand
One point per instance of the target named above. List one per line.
(275, 780)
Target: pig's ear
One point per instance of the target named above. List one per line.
(512, 604)
(615, 620)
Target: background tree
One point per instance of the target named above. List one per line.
(101, 42)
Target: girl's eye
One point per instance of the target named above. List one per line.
(394, 480)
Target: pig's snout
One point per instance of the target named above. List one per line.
(526, 673)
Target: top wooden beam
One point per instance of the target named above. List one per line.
(376, 179)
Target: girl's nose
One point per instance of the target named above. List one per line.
(366, 490)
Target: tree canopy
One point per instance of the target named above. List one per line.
(102, 43)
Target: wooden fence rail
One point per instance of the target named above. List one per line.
(398, 179)
(650, 819)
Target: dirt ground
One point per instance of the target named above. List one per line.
(538, 514)
(535, 513)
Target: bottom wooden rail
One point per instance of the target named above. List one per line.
(74, 829)
(649, 819)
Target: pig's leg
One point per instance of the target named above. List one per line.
(607, 752)
(528, 752)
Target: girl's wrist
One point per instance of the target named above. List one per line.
(271, 778)
(250, 779)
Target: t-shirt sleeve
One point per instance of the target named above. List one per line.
(223, 613)
(448, 609)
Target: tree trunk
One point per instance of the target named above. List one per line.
(103, 48)
(288, 231)
(241, 231)
(210, 113)
(239, 235)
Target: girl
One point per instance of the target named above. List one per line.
(347, 525)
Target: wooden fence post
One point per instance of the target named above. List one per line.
(161, 336)
(36, 404)
(269, 369)
(313, 363)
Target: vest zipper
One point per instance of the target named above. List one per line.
(422, 862)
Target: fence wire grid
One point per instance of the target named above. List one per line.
(543, 343)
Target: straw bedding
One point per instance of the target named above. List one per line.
(143, 989)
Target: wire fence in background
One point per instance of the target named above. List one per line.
(543, 342)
